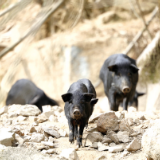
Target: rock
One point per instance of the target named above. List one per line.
(14, 108)
(117, 148)
(134, 145)
(112, 144)
(7, 121)
(123, 136)
(52, 118)
(4, 116)
(19, 139)
(107, 121)
(21, 118)
(32, 119)
(102, 147)
(151, 141)
(3, 110)
(93, 137)
(120, 115)
(32, 129)
(49, 151)
(106, 139)
(2, 147)
(29, 110)
(113, 136)
(94, 145)
(50, 144)
(50, 139)
(12, 115)
(51, 131)
(34, 145)
(124, 126)
(42, 118)
(62, 133)
(102, 157)
(21, 153)
(48, 114)
(132, 109)
(92, 129)
(130, 121)
(124, 153)
(6, 136)
(37, 137)
(68, 154)
(46, 108)
(93, 119)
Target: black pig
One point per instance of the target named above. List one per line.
(79, 103)
(119, 75)
(25, 91)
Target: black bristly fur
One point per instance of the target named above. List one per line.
(119, 70)
(25, 91)
(81, 95)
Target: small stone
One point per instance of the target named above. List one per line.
(124, 126)
(7, 121)
(94, 145)
(113, 136)
(32, 119)
(29, 110)
(102, 147)
(6, 136)
(117, 148)
(50, 139)
(93, 137)
(12, 115)
(48, 114)
(62, 133)
(107, 121)
(106, 139)
(123, 136)
(37, 146)
(102, 157)
(46, 108)
(124, 153)
(120, 115)
(4, 116)
(49, 151)
(134, 145)
(51, 131)
(21, 118)
(37, 137)
(131, 109)
(69, 154)
(112, 144)
(52, 118)
(19, 139)
(50, 144)
(32, 129)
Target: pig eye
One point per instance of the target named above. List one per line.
(129, 74)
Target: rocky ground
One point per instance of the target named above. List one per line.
(26, 133)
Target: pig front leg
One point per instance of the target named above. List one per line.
(80, 134)
(71, 131)
(112, 101)
(125, 104)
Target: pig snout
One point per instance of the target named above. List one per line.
(126, 89)
(77, 114)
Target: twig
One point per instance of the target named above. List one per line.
(36, 25)
(139, 34)
(141, 15)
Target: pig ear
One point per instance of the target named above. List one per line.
(67, 97)
(112, 68)
(88, 96)
(94, 101)
(134, 68)
(140, 94)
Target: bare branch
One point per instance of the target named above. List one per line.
(46, 13)
(139, 34)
